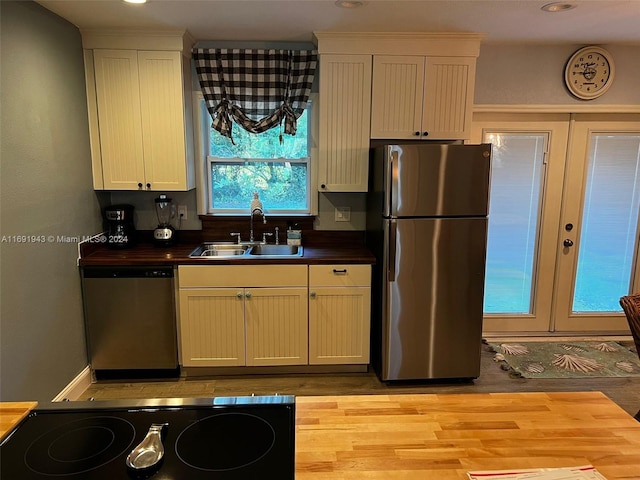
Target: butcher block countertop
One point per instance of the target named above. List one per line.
(442, 437)
(11, 413)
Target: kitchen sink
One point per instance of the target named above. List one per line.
(213, 250)
(265, 250)
(218, 249)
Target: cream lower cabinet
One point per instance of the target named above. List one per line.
(276, 326)
(212, 327)
(243, 315)
(339, 314)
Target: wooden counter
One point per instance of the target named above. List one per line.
(11, 413)
(441, 437)
(148, 254)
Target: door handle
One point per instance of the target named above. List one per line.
(393, 233)
(568, 243)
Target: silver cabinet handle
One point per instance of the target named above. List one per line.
(248, 294)
(239, 294)
(312, 294)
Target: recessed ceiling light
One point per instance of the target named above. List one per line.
(135, 1)
(350, 4)
(558, 7)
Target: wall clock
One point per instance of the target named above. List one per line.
(589, 72)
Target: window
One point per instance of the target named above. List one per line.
(279, 171)
(514, 214)
(609, 223)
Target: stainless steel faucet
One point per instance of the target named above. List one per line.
(255, 211)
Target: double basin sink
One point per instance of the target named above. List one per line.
(213, 250)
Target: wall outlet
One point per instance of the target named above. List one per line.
(343, 214)
(182, 212)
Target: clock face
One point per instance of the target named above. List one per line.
(589, 72)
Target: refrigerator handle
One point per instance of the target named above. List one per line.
(391, 187)
(393, 232)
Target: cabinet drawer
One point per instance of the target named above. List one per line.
(190, 276)
(339, 275)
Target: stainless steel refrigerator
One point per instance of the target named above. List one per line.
(427, 220)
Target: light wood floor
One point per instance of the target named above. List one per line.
(623, 391)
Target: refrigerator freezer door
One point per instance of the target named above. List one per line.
(432, 298)
(435, 180)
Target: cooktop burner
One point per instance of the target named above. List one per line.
(79, 446)
(217, 439)
(220, 443)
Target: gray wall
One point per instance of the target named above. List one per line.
(534, 75)
(46, 192)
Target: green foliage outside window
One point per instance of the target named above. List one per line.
(282, 184)
(263, 145)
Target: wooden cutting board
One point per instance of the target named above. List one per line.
(441, 437)
(11, 413)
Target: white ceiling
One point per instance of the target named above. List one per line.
(592, 22)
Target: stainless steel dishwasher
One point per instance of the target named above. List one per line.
(130, 320)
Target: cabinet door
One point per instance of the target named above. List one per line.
(448, 98)
(339, 314)
(345, 99)
(396, 101)
(212, 327)
(163, 121)
(339, 324)
(118, 103)
(277, 328)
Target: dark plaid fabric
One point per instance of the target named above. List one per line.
(257, 88)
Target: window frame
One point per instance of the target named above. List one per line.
(202, 122)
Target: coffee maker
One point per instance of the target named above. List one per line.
(121, 232)
(164, 235)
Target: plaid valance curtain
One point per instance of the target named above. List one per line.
(257, 88)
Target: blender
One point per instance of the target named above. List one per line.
(164, 235)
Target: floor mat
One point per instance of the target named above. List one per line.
(567, 359)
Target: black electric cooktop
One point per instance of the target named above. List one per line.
(216, 439)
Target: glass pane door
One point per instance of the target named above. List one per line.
(527, 170)
(517, 177)
(609, 223)
(599, 258)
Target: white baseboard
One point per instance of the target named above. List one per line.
(76, 387)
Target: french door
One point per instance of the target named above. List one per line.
(563, 221)
(598, 256)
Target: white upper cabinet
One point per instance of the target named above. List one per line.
(389, 86)
(345, 85)
(417, 97)
(139, 114)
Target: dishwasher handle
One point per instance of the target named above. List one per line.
(127, 271)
